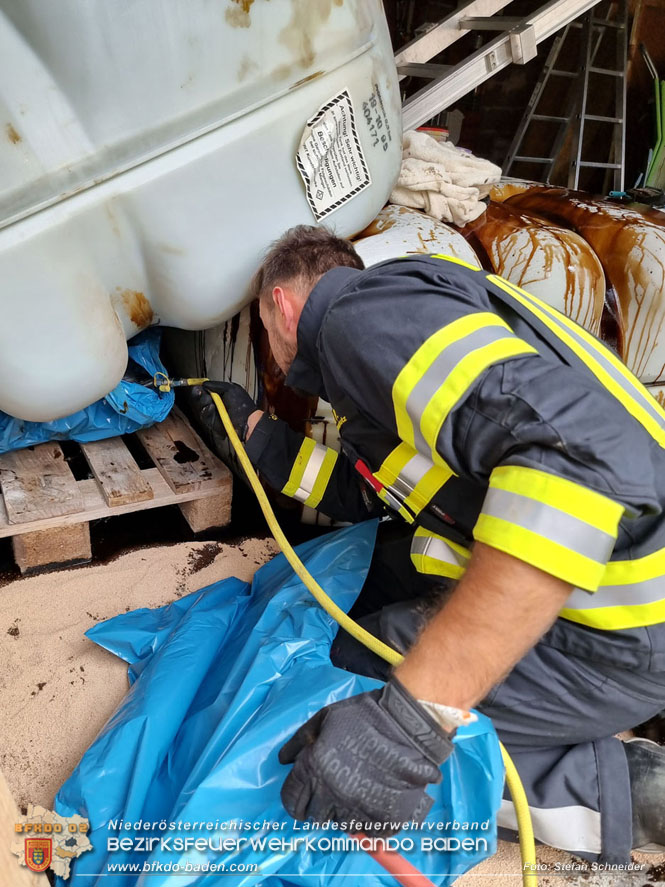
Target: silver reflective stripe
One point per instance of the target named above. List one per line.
(573, 828)
(311, 473)
(553, 524)
(430, 546)
(436, 375)
(647, 592)
(643, 399)
(409, 477)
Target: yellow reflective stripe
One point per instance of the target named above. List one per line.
(618, 618)
(430, 563)
(640, 569)
(322, 478)
(558, 492)
(634, 591)
(428, 487)
(393, 503)
(292, 485)
(393, 464)
(539, 551)
(422, 533)
(456, 261)
(416, 367)
(460, 379)
(557, 322)
(425, 488)
(420, 368)
(432, 566)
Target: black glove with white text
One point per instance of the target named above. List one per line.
(238, 403)
(366, 759)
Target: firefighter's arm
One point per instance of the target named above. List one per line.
(497, 612)
(311, 473)
(289, 461)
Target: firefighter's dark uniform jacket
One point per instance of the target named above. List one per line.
(477, 411)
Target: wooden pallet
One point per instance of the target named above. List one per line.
(47, 512)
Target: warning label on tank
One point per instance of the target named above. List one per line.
(330, 157)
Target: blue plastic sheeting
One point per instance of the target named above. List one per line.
(220, 680)
(128, 407)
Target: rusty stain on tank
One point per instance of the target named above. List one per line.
(389, 217)
(376, 227)
(306, 79)
(307, 19)
(247, 66)
(170, 249)
(138, 308)
(631, 248)
(115, 227)
(12, 135)
(281, 72)
(237, 15)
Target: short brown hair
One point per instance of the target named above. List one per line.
(303, 253)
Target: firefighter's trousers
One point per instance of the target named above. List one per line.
(555, 713)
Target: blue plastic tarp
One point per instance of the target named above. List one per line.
(220, 680)
(129, 407)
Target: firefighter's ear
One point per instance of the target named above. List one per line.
(286, 302)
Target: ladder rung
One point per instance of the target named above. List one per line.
(605, 24)
(523, 159)
(600, 119)
(600, 165)
(560, 73)
(549, 117)
(609, 71)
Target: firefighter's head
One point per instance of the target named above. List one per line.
(292, 267)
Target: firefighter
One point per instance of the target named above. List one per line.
(527, 465)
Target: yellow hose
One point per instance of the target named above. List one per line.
(524, 825)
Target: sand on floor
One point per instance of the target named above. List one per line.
(57, 689)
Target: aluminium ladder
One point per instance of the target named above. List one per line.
(577, 112)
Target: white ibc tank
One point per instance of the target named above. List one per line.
(148, 157)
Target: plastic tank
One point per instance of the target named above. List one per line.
(148, 156)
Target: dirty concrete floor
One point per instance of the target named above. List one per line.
(57, 689)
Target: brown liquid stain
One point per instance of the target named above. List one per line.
(170, 249)
(525, 250)
(307, 19)
(247, 67)
(503, 190)
(388, 218)
(138, 308)
(238, 15)
(377, 226)
(281, 72)
(306, 79)
(631, 248)
(12, 135)
(293, 408)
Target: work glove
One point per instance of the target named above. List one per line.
(239, 406)
(366, 759)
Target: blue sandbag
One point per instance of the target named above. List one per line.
(220, 679)
(127, 408)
